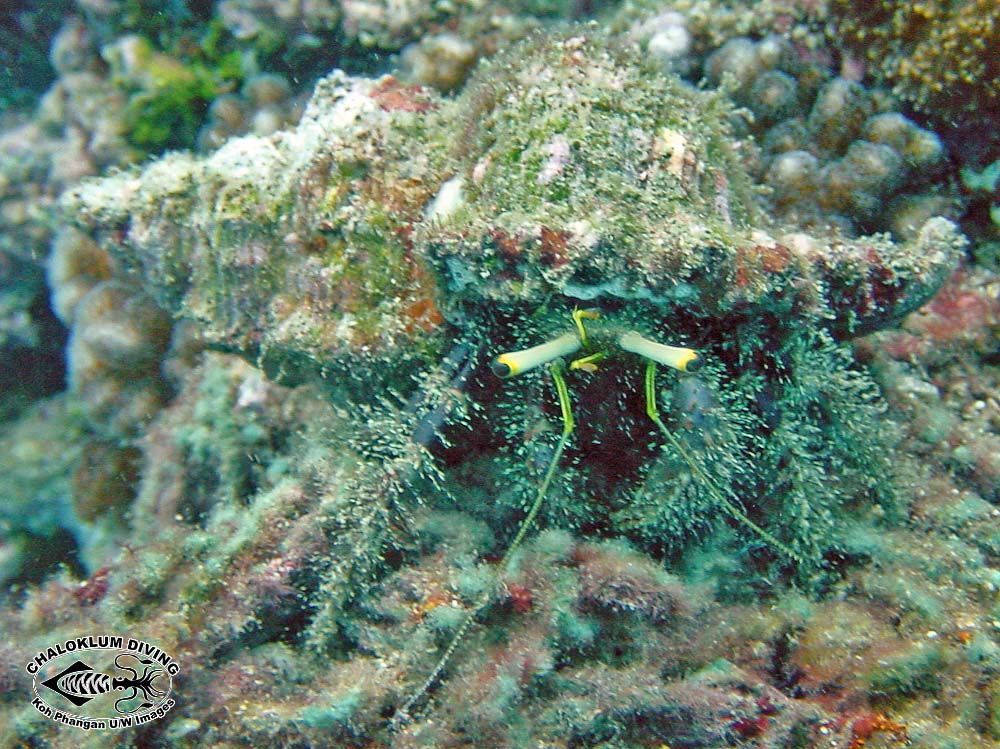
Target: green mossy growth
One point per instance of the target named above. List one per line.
(336, 713)
(168, 114)
(919, 669)
(170, 79)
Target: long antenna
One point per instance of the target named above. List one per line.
(402, 715)
(727, 504)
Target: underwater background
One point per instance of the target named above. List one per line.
(334, 367)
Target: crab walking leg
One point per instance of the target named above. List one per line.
(579, 315)
(402, 715)
(727, 504)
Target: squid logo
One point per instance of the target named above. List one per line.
(100, 682)
(80, 684)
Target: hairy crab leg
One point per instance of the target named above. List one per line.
(402, 715)
(727, 504)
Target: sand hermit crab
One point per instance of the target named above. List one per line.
(394, 234)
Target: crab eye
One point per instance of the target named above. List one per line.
(502, 368)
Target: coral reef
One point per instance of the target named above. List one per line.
(264, 104)
(832, 150)
(834, 145)
(935, 371)
(441, 61)
(283, 22)
(117, 346)
(390, 25)
(541, 179)
(283, 455)
(118, 340)
(711, 23)
(76, 131)
(933, 54)
(75, 266)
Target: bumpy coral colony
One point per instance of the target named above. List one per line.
(574, 205)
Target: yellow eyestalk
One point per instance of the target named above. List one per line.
(516, 362)
(684, 359)
(579, 315)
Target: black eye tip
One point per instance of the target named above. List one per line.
(695, 364)
(500, 369)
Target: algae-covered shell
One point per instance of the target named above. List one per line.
(292, 249)
(568, 168)
(584, 171)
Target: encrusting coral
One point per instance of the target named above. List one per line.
(832, 150)
(935, 54)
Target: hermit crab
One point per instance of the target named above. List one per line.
(579, 210)
(587, 350)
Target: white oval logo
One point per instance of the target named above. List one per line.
(105, 681)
